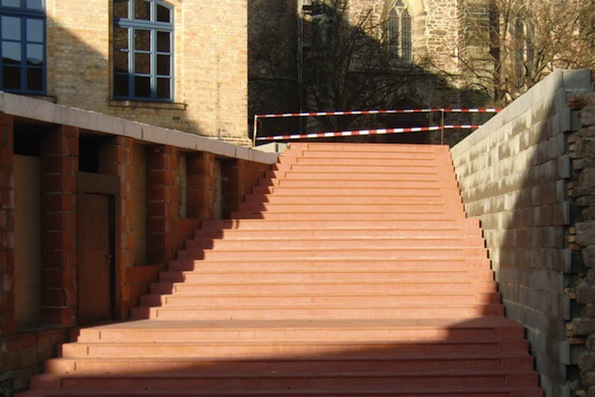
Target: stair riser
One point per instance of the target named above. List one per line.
(361, 233)
(260, 368)
(345, 266)
(275, 290)
(406, 333)
(297, 383)
(353, 350)
(372, 214)
(346, 243)
(319, 277)
(299, 301)
(391, 206)
(248, 225)
(326, 253)
(315, 312)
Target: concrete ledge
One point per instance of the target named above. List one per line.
(36, 109)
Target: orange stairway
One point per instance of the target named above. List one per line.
(350, 271)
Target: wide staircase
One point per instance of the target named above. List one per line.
(350, 271)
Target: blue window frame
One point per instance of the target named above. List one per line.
(23, 46)
(143, 50)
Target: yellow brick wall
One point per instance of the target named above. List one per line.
(210, 66)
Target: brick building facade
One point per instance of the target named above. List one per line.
(175, 64)
(92, 208)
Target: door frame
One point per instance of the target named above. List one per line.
(91, 183)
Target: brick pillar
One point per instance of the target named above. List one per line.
(59, 168)
(201, 186)
(162, 204)
(230, 186)
(7, 318)
(117, 159)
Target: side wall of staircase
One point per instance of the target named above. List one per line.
(515, 175)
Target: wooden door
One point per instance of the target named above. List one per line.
(97, 283)
(95, 252)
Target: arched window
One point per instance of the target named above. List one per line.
(399, 32)
(22, 46)
(143, 50)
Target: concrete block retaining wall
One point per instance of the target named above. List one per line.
(514, 174)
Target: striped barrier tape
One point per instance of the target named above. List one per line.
(366, 112)
(364, 132)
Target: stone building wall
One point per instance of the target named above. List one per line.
(515, 175)
(210, 66)
(582, 239)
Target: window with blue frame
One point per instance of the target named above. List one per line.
(22, 46)
(143, 50)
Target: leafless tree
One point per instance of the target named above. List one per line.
(525, 41)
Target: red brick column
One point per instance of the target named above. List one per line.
(59, 168)
(7, 319)
(201, 186)
(162, 204)
(117, 160)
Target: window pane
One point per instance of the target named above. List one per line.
(163, 65)
(142, 63)
(34, 5)
(142, 87)
(11, 28)
(35, 30)
(35, 79)
(121, 9)
(120, 38)
(163, 89)
(35, 54)
(163, 14)
(142, 40)
(163, 42)
(11, 53)
(11, 3)
(11, 78)
(121, 62)
(121, 85)
(142, 10)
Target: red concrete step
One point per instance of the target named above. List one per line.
(479, 391)
(241, 276)
(370, 253)
(485, 329)
(304, 383)
(312, 289)
(436, 266)
(326, 233)
(282, 349)
(397, 300)
(352, 242)
(496, 361)
(338, 224)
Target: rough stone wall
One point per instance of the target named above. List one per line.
(210, 66)
(514, 174)
(582, 238)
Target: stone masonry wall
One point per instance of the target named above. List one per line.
(582, 239)
(514, 176)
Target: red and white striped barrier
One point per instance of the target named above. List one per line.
(366, 112)
(364, 132)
